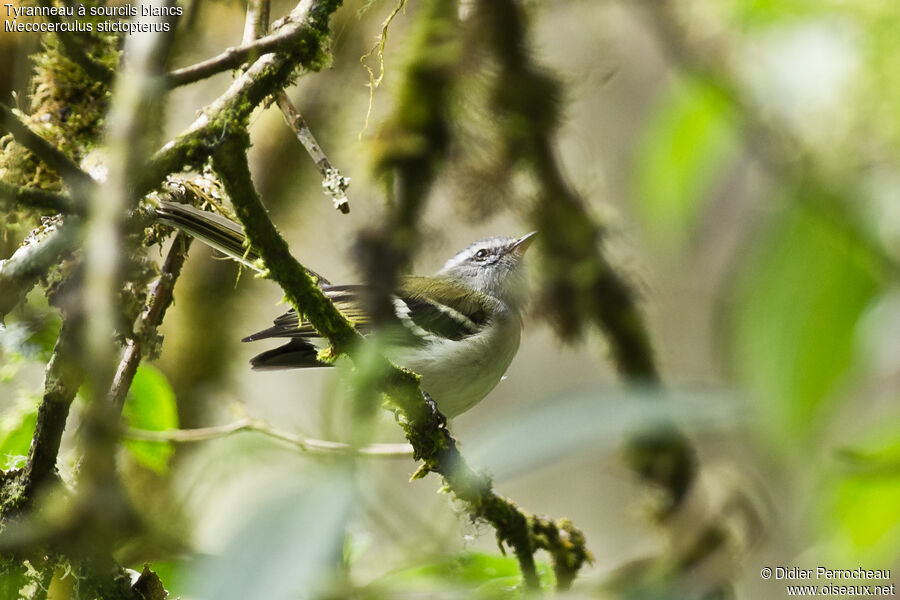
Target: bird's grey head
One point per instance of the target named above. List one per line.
(492, 266)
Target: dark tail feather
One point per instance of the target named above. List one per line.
(213, 229)
(296, 354)
(219, 232)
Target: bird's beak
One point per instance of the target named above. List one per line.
(521, 244)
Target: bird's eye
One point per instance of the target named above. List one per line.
(481, 254)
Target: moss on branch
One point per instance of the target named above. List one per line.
(306, 34)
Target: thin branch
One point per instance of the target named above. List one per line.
(159, 298)
(45, 151)
(63, 377)
(300, 442)
(36, 198)
(303, 35)
(256, 24)
(334, 184)
(282, 40)
(44, 249)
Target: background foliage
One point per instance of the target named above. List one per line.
(742, 158)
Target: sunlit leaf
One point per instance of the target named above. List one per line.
(687, 143)
(797, 308)
(151, 405)
(866, 503)
(16, 430)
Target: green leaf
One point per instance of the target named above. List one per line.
(798, 304)
(687, 143)
(483, 575)
(151, 405)
(866, 497)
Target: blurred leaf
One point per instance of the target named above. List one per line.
(589, 420)
(291, 544)
(472, 574)
(866, 504)
(687, 143)
(151, 405)
(797, 308)
(16, 430)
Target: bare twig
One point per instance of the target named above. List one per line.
(303, 443)
(333, 183)
(232, 58)
(45, 151)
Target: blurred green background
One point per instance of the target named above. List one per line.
(744, 156)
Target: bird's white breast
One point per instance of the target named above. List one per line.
(459, 374)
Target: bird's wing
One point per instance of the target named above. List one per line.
(426, 308)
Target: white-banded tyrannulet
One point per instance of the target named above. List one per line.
(460, 327)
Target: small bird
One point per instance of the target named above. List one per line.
(459, 328)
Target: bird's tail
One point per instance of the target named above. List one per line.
(216, 231)
(221, 233)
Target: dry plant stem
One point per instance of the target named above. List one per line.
(329, 174)
(305, 444)
(425, 427)
(52, 156)
(131, 122)
(159, 297)
(34, 198)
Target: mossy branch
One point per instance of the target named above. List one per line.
(285, 40)
(44, 249)
(159, 297)
(63, 377)
(52, 156)
(17, 196)
(304, 33)
(75, 51)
